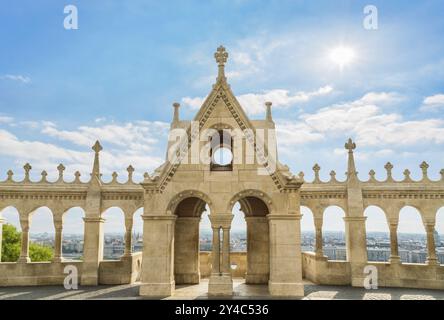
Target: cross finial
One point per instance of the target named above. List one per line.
(221, 57)
(97, 147)
(350, 145)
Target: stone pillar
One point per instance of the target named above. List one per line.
(258, 251)
(394, 248)
(128, 237)
(221, 283)
(356, 242)
(92, 250)
(215, 268)
(24, 254)
(226, 265)
(285, 255)
(1, 236)
(432, 259)
(158, 255)
(319, 251)
(58, 224)
(186, 251)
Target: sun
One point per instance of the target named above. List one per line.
(342, 56)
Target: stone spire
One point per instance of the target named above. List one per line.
(221, 57)
(176, 107)
(351, 168)
(96, 167)
(268, 116)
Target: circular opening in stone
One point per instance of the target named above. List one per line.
(222, 156)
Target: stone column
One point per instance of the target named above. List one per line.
(226, 265)
(158, 255)
(186, 250)
(319, 251)
(128, 237)
(221, 283)
(285, 255)
(432, 259)
(92, 250)
(24, 254)
(215, 269)
(356, 247)
(1, 236)
(394, 248)
(58, 224)
(258, 251)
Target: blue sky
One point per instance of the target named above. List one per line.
(115, 78)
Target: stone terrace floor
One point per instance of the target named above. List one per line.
(241, 291)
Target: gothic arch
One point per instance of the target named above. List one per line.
(251, 193)
(178, 198)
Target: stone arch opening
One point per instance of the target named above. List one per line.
(439, 235)
(73, 234)
(137, 231)
(41, 235)
(412, 239)
(258, 240)
(188, 211)
(308, 232)
(113, 233)
(333, 233)
(11, 235)
(377, 234)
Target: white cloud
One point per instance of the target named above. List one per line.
(253, 103)
(16, 77)
(365, 120)
(433, 103)
(193, 103)
(5, 119)
(138, 144)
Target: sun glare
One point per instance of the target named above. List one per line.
(342, 56)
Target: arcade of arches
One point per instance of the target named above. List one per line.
(176, 194)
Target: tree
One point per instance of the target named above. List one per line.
(11, 246)
(11, 243)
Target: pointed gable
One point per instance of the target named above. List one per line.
(223, 102)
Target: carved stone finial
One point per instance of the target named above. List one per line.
(372, 174)
(301, 176)
(424, 167)
(333, 175)
(407, 175)
(442, 174)
(97, 147)
(130, 170)
(221, 57)
(27, 168)
(44, 175)
(176, 107)
(114, 175)
(10, 175)
(350, 145)
(77, 176)
(316, 169)
(268, 115)
(96, 166)
(61, 168)
(389, 168)
(146, 176)
(352, 174)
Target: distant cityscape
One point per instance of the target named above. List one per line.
(412, 247)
